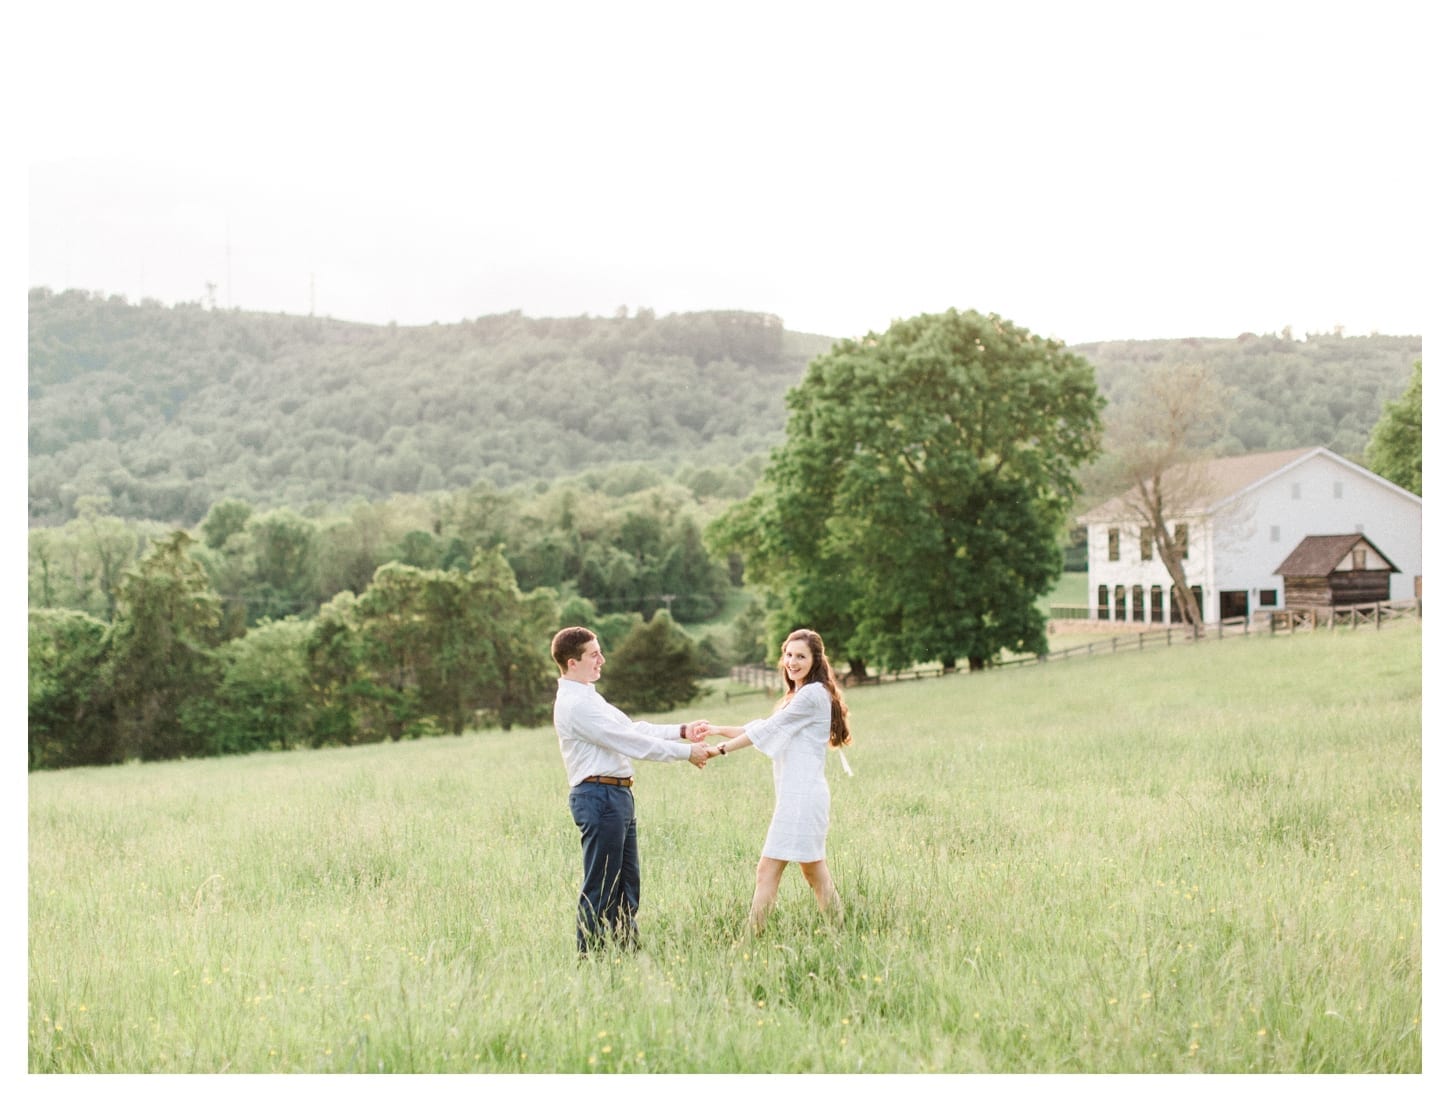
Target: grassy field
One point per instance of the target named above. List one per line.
(1070, 589)
(1199, 859)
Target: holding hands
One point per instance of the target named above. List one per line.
(696, 733)
(726, 734)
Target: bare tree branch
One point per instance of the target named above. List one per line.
(1160, 439)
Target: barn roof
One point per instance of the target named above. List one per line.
(1208, 482)
(1206, 485)
(1317, 556)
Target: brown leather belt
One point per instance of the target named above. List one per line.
(623, 782)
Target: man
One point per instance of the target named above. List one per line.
(597, 741)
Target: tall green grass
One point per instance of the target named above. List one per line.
(1199, 859)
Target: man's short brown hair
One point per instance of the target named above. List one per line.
(569, 643)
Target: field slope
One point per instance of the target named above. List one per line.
(1199, 859)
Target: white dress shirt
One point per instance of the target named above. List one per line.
(597, 739)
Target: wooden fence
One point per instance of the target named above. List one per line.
(1279, 622)
(1351, 616)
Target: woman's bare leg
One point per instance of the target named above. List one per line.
(767, 886)
(818, 876)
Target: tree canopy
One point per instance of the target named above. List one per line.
(913, 512)
(1395, 446)
(653, 668)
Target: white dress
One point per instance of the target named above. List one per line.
(795, 739)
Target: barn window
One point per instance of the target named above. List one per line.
(1155, 604)
(1268, 598)
(1359, 558)
(1120, 599)
(1138, 603)
(1145, 544)
(1112, 545)
(1104, 611)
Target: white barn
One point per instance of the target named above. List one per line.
(1244, 517)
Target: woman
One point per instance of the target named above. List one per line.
(810, 717)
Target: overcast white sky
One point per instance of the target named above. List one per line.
(1088, 170)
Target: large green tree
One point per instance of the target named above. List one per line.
(1394, 450)
(334, 664)
(912, 514)
(263, 699)
(446, 648)
(656, 667)
(70, 716)
(502, 646)
(162, 659)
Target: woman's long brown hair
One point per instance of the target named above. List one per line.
(820, 674)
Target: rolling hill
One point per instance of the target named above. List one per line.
(165, 410)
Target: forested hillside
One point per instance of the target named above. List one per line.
(1325, 389)
(167, 410)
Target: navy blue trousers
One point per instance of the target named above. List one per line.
(609, 895)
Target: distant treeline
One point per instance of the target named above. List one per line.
(418, 652)
(625, 539)
(421, 614)
(163, 411)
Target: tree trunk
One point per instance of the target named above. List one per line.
(1173, 563)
